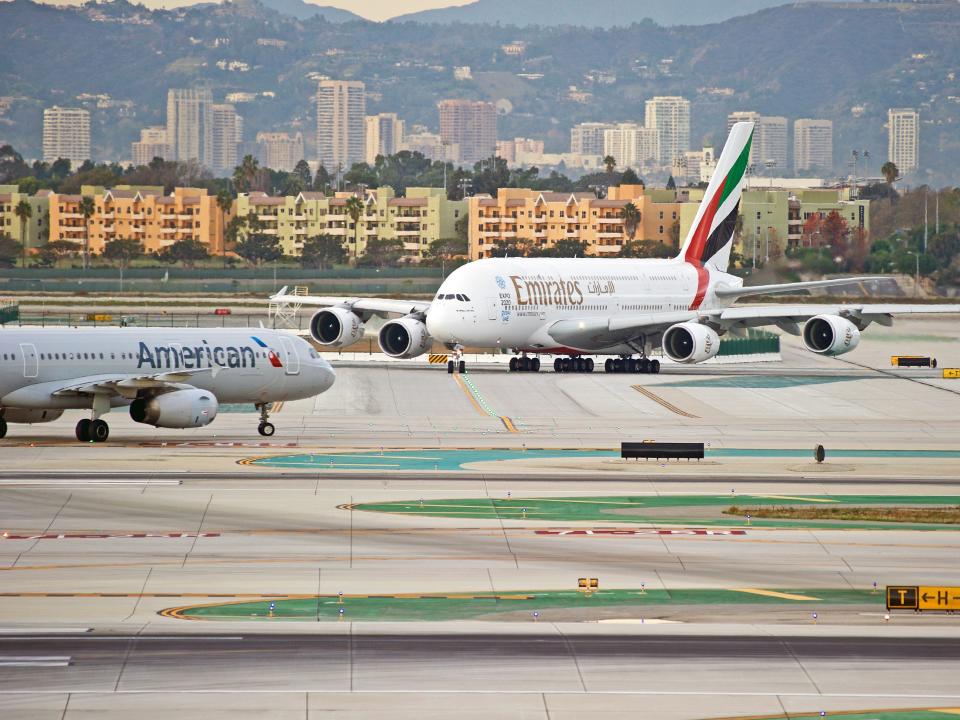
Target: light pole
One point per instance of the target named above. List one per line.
(916, 279)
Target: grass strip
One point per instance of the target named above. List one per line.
(932, 515)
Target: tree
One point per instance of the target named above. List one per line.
(444, 250)
(258, 248)
(890, 171)
(631, 217)
(225, 205)
(87, 208)
(23, 211)
(610, 163)
(302, 171)
(835, 230)
(567, 248)
(321, 181)
(186, 252)
(645, 249)
(53, 251)
(246, 173)
(382, 253)
(122, 252)
(671, 183)
(629, 177)
(513, 247)
(322, 252)
(675, 234)
(10, 251)
(355, 210)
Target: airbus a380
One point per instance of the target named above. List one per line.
(625, 308)
(169, 377)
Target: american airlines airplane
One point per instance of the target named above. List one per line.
(169, 377)
(625, 308)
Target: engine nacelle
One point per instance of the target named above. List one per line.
(178, 409)
(405, 338)
(830, 335)
(336, 327)
(24, 415)
(690, 343)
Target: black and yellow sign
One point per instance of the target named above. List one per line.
(901, 598)
(588, 584)
(951, 373)
(923, 597)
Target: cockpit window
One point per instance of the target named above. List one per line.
(460, 298)
(466, 299)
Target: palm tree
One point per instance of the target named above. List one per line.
(631, 219)
(87, 208)
(24, 211)
(890, 171)
(225, 203)
(355, 210)
(610, 163)
(245, 173)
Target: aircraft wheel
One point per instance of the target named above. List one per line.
(450, 365)
(630, 365)
(463, 367)
(654, 367)
(567, 365)
(266, 429)
(590, 365)
(608, 365)
(83, 430)
(99, 431)
(557, 365)
(3, 428)
(645, 366)
(618, 365)
(513, 364)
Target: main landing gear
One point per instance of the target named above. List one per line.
(643, 366)
(92, 431)
(573, 365)
(524, 364)
(266, 428)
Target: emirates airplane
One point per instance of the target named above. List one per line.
(624, 308)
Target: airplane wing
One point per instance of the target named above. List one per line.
(373, 306)
(730, 291)
(128, 386)
(788, 317)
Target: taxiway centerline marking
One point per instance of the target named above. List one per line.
(774, 593)
(663, 403)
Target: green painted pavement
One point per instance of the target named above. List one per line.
(462, 606)
(919, 714)
(452, 460)
(611, 509)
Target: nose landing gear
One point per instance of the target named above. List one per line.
(266, 428)
(457, 364)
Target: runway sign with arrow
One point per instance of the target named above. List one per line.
(923, 597)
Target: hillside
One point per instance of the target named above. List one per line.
(305, 10)
(119, 59)
(598, 13)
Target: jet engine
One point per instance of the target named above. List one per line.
(405, 338)
(830, 335)
(178, 409)
(336, 327)
(24, 415)
(690, 343)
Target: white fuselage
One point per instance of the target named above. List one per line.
(235, 365)
(512, 302)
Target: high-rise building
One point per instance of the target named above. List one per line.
(341, 113)
(472, 126)
(152, 143)
(190, 125)
(670, 117)
(632, 145)
(588, 138)
(384, 136)
(227, 135)
(768, 151)
(279, 151)
(812, 145)
(66, 134)
(903, 138)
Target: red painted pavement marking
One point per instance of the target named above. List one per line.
(106, 536)
(641, 532)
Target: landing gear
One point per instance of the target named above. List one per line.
(457, 364)
(524, 364)
(3, 428)
(266, 428)
(642, 366)
(573, 365)
(92, 431)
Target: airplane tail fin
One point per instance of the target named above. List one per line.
(711, 235)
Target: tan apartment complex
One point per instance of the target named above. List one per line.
(545, 218)
(144, 214)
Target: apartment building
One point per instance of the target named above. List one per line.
(279, 151)
(384, 136)
(520, 150)
(190, 125)
(472, 126)
(545, 218)
(138, 213)
(341, 123)
(226, 137)
(34, 233)
(66, 134)
(812, 145)
(632, 145)
(768, 153)
(152, 144)
(588, 138)
(418, 219)
(903, 138)
(670, 117)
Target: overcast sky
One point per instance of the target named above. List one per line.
(372, 9)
